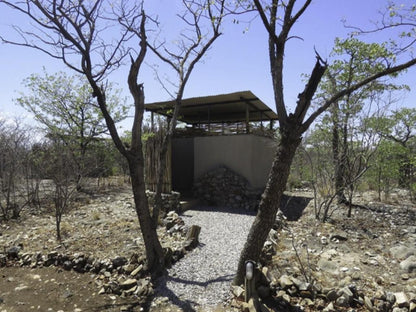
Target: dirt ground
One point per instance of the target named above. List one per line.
(55, 290)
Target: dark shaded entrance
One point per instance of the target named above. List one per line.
(183, 165)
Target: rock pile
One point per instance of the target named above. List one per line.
(119, 275)
(124, 276)
(293, 293)
(365, 264)
(169, 201)
(223, 187)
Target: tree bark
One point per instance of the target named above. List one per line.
(271, 198)
(339, 167)
(154, 251)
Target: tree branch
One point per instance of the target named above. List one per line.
(354, 87)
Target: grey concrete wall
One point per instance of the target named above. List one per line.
(249, 155)
(262, 158)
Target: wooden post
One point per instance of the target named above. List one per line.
(261, 121)
(192, 237)
(250, 281)
(209, 119)
(247, 118)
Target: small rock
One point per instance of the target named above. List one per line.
(306, 294)
(401, 300)
(300, 284)
(119, 261)
(237, 291)
(346, 293)
(327, 265)
(67, 294)
(282, 295)
(306, 302)
(21, 287)
(380, 305)
(13, 252)
(332, 295)
(412, 306)
(67, 265)
(339, 237)
(380, 294)
(405, 277)
(130, 291)
(128, 283)
(390, 298)
(101, 291)
(3, 260)
(408, 265)
(379, 280)
(402, 252)
(368, 304)
(330, 308)
(128, 268)
(107, 274)
(342, 301)
(356, 276)
(137, 270)
(285, 281)
(144, 288)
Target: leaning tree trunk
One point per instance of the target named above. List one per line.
(153, 248)
(270, 201)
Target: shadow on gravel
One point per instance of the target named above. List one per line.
(291, 206)
(221, 209)
(186, 305)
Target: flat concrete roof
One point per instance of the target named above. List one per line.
(232, 107)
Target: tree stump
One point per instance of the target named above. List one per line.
(192, 237)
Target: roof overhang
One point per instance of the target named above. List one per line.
(240, 106)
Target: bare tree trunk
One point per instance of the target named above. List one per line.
(338, 156)
(58, 226)
(154, 251)
(270, 201)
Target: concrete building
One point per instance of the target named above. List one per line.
(233, 130)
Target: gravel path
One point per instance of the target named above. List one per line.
(202, 278)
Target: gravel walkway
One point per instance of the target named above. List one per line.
(203, 277)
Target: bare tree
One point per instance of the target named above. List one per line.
(58, 166)
(182, 58)
(77, 33)
(278, 18)
(14, 151)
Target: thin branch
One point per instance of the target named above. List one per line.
(354, 87)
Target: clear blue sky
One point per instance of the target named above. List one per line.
(237, 61)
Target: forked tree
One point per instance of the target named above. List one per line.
(278, 18)
(94, 38)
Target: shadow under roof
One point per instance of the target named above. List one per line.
(232, 107)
